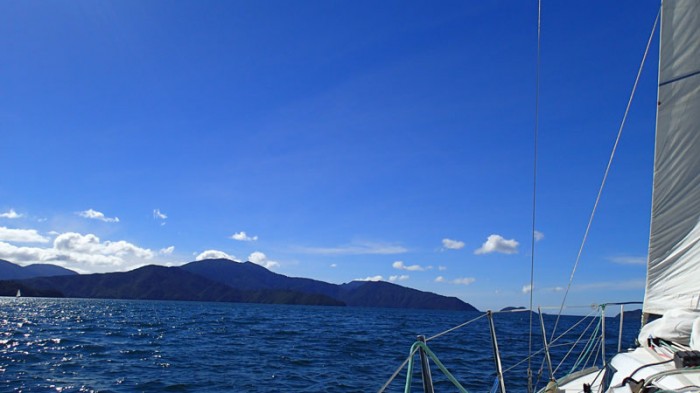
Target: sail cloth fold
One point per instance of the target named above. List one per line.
(673, 275)
(680, 326)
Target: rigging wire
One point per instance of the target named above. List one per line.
(534, 189)
(398, 370)
(607, 171)
(415, 350)
(571, 349)
(455, 328)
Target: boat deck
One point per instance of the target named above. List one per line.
(573, 383)
(641, 365)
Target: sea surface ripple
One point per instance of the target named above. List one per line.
(77, 345)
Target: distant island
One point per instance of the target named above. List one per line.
(216, 280)
(631, 315)
(505, 309)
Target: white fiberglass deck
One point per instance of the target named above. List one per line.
(640, 364)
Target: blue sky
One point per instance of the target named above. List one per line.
(331, 140)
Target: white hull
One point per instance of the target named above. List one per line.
(639, 367)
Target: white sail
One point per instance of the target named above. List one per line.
(673, 276)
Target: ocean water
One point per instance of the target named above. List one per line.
(77, 345)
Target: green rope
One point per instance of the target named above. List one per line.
(587, 349)
(409, 371)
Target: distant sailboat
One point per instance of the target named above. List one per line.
(19, 293)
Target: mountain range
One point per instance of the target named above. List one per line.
(10, 271)
(215, 280)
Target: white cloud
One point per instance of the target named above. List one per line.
(259, 258)
(242, 237)
(442, 268)
(90, 244)
(11, 214)
(21, 235)
(452, 244)
(456, 281)
(334, 265)
(371, 278)
(401, 266)
(22, 254)
(538, 236)
(527, 289)
(80, 252)
(214, 254)
(402, 277)
(496, 243)
(95, 215)
(28, 254)
(158, 215)
(355, 249)
(167, 250)
(629, 260)
(463, 280)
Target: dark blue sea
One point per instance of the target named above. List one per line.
(75, 345)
